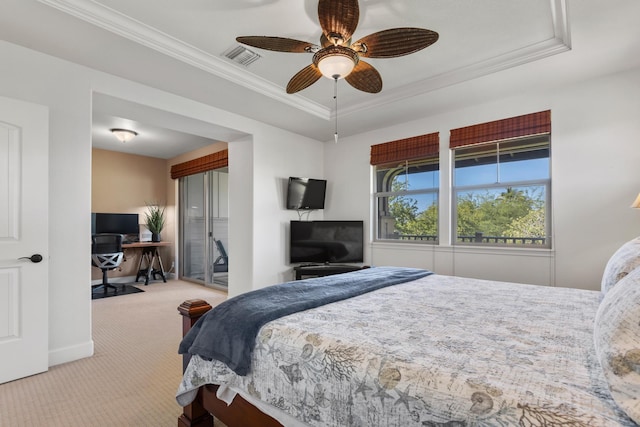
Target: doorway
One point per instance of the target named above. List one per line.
(204, 228)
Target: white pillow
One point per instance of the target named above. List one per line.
(621, 263)
(616, 336)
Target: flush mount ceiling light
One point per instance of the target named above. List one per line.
(124, 135)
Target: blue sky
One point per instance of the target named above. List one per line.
(525, 170)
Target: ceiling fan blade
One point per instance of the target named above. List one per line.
(338, 19)
(279, 44)
(304, 78)
(365, 78)
(394, 42)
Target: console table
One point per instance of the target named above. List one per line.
(324, 270)
(151, 256)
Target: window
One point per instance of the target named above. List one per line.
(407, 176)
(501, 189)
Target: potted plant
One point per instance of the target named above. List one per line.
(154, 220)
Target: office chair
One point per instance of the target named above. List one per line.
(221, 264)
(106, 254)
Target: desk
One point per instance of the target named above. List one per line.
(324, 270)
(151, 255)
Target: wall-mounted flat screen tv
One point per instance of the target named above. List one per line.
(120, 223)
(306, 193)
(325, 242)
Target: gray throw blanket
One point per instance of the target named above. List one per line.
(228, 332)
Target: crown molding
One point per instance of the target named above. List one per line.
(143, 34)
(479, 69)
(560, 42)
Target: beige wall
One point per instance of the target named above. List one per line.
(125, 183)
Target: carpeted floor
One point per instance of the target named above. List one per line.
(132, 378)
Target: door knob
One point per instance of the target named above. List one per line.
(35, 258)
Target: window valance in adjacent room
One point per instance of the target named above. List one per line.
(514, 127)
(209, 162)
(401, 150)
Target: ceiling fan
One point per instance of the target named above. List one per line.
(337, 57)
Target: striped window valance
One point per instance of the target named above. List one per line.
(514, 127)
(209, 162)
(401, 150)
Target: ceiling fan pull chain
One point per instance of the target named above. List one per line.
(335, 98)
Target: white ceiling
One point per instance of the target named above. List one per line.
(160, 134)
(179, 46)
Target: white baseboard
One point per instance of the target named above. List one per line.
(71, 353)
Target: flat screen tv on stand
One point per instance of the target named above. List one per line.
(326, 242)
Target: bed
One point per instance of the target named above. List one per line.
(432, 351)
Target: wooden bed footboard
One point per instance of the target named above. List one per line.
(206, 406)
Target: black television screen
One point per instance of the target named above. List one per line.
(326, 242)
(306, 193)
(121, 223)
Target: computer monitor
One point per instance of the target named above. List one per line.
(120, 223)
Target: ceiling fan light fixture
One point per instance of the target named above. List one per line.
(335, 62)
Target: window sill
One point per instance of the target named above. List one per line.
(463, 249)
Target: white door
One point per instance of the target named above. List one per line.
(24, 212)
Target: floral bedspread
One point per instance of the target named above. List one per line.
(438, 351)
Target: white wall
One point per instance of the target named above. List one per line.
(595, 177)
(241, 214)
(280, 158)
(32, 77)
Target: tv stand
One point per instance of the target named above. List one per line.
(318, 270)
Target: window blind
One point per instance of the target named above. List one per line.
(209, 162)
(514, 127)
(405, 149)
